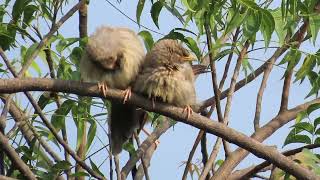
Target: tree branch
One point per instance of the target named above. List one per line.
(196, 120)
(239, 154)
(15, 158)
(249, 172)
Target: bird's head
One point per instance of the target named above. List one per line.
(170, 51)
(106, 49)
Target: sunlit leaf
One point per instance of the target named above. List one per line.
(139, 10)
(313, 107)
(91, 133)
(147, 39)
(307, 66)
(155, 12)
(58, 118)
(95, 168)
(314, 26)
(305, 126)
(267, 26)
(235, 18)
(297, 139)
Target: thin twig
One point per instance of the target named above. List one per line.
(145, 169)
(216, 90)
(15, 158)
(218, 142)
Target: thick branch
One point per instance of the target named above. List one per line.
(196, 120)
(249, 172)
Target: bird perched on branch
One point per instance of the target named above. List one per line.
(112, 58)
(167, 75)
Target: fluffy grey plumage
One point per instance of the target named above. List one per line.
(114, 56)
(167, 74)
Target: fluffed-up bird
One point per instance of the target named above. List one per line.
(113, 57)
(167, 75)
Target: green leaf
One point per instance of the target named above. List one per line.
(187, 5)
(305, 126)
(61, 165)
(317, 141)
(64, 43)
(79, 174)
(36, 67)
(18, 8)
(58, 118)
(280, 25)
(91, 133)
(316, 122)
(129, 147)
(314, 26)
(222, 54)
(252, 24)
(297, 139)
(28, 52)
(155, 11)
(312, 108)
(267, 26)
(246, 66)
(192, 44)
(185, 30)
(140, 6)
(301, 116)
(76, 55)
(64, 70)
(174, 35)
(28, 15)
(147, 39)
(249, 4)
(235, 19)
(95, 168)
(174, 12)
(307, 66)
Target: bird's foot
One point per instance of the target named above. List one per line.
(189, 111)
(156, 143)
(127, 95)
(102, 86)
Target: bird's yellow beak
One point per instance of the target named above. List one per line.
(189, 58)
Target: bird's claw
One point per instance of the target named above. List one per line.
(127, 95)
(189, 111)
(102, 86)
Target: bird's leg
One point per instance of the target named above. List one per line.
(127, 95)
(189, 111)
(102, 86)
(156, 143)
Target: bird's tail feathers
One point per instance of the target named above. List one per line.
(123, 123)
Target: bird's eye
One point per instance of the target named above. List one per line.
(185, 53)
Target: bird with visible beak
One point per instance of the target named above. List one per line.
(167, 75)
(112, 58)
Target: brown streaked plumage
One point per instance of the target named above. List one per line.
(112, 58)
(167, 75)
